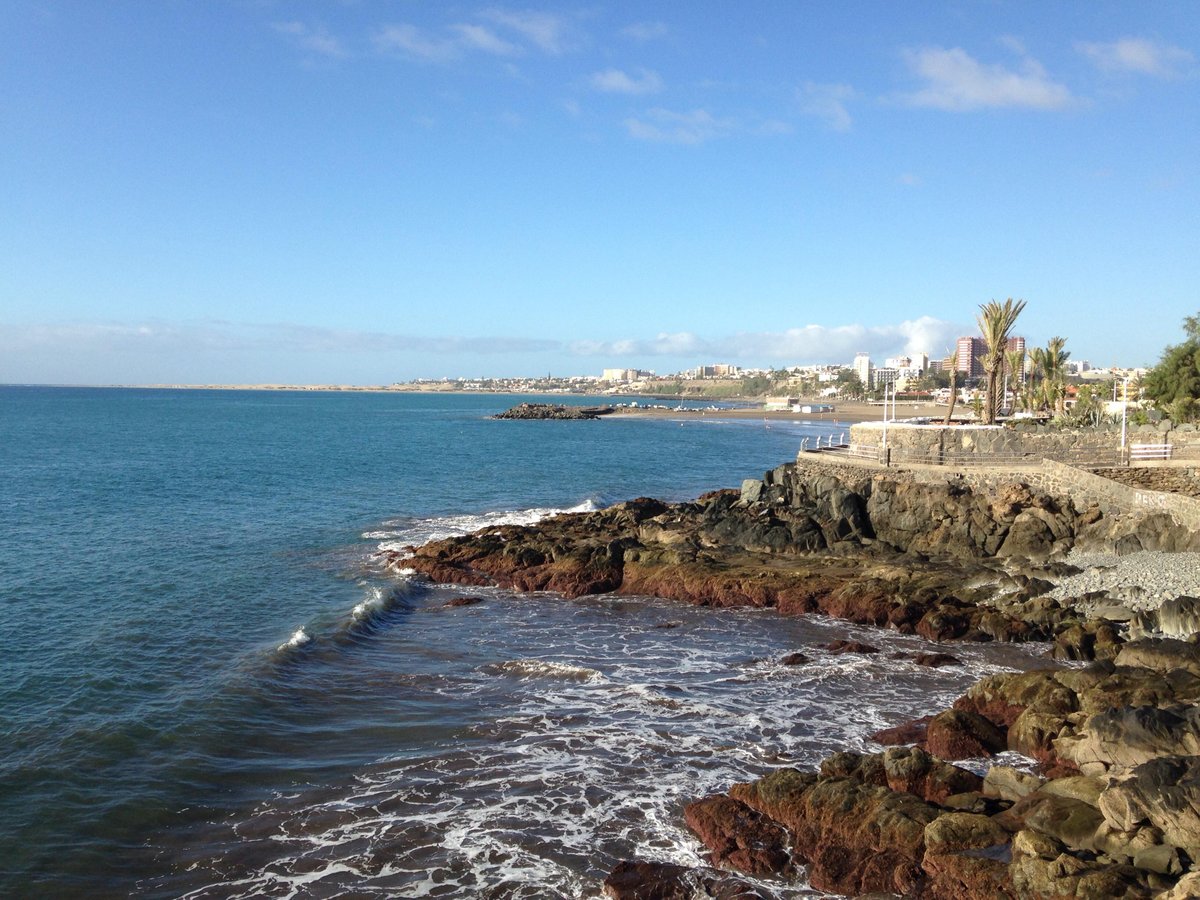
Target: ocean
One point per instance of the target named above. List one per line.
(211, 688)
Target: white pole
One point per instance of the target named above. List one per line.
(1124, 408)
(885, 420)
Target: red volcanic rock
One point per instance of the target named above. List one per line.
(858, 837)
(941, 624)
(867, 603)
(913, 771)
(850, 647)
(737, 836)
(463, 601)
(1002, 698)
(632, 880)
(936, 660)
(907, 733)
(966, 876)
(794, 659)
(445, 573)
(855, 837)
(907, 770)
(955, 734)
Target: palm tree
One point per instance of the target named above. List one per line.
(1014, 364)
(996, 321)
(1054, 371)
(953, 387)
(1033, 393)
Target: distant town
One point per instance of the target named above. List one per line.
(915, 377)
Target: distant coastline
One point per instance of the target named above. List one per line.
(844, 411)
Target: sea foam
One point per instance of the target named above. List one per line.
(396, 534)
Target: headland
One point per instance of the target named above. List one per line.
(1104, 797)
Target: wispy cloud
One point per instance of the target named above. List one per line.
(1138, 55)
(827, 102)
(617, 81)
(646, 31)
(156, 336)
(548, 32)
(480, 37)
(312, 38)
(957, 82)
(417, 44)
(506, 34)
(810, 343)
(667, 126)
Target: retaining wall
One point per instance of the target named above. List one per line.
(1049, 476)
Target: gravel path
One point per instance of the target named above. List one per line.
(1139, 581)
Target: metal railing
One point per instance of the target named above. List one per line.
(1084, 458)
(1149, 451)
(829, 444)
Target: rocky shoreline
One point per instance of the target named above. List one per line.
(1114, 807)
(553, 411)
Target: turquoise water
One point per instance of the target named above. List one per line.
(211, 688)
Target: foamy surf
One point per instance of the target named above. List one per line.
(541, 668)
(579, 750)
(396, 534)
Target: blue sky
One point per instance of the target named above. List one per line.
(364, 192)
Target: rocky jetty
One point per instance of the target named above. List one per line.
(1110, 804)
(1114, 810)
(935, 559)
(553, 411)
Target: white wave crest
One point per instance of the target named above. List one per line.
(299, 638)
(540, 668)
(376, 601)
(396, 534)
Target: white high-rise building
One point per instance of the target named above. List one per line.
(862, 367)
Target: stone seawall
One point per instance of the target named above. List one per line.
(984, 444)
(1172, 480)
(1112, 497)
(1005, 445)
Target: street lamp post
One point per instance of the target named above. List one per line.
(1124, 409)
(885, 387)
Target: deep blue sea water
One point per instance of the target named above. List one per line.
(211, 688)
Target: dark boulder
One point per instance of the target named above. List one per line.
(634, 880)
(954, 734)
(737, 836)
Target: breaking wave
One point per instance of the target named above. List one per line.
(396, 534)
(540, 668)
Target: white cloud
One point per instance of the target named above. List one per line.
(773, 127)
(156, 336)
(546, 31)
(645, 31)
(313, 39)
(542, 30)
(1138, 55)
(957, 82)
(666, 126)
(616, 81)
(810, 343)
(807, 344)
(827, 102)
(479, 37)
(413, 42)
